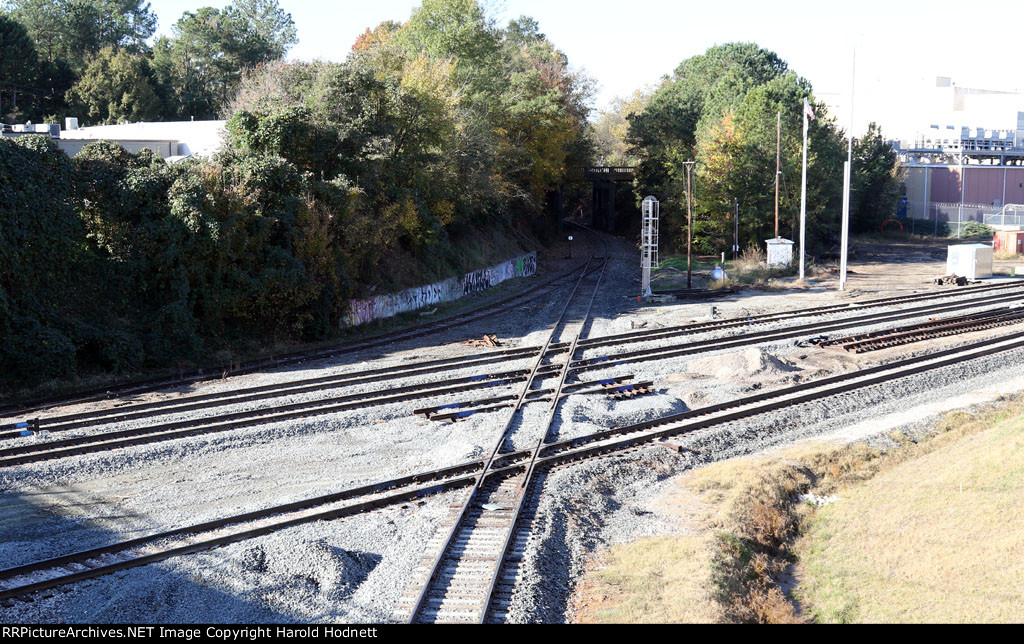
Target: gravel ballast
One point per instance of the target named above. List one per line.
(354, 570)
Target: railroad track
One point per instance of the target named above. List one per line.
(673, 350)
(510, 303)
(666, 351)
(390, 394)
(384, 374)
(38, 577)
(456, 582)
(933, 329)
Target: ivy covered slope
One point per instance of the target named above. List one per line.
(435, 147)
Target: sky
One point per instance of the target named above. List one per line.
(900, 46)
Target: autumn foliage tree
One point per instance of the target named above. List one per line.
(439, 146)
(720, 109)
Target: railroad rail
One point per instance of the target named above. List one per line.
(388, 373)
(933, 329)
(456, 583)
(383, 373)
(689, 348)
(666, 351)
(395, 394)
(26, 579)
(509, 303)
(419, 368)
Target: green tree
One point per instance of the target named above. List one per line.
(269, 21)
(432, 148)
(877, 176)
(203, 63)
(54, 80)
(461, 31)
(720, 109)
(19, 64)
(611, 128)
(117, 87)
(72, 30)
(543, 122)
(40, 238)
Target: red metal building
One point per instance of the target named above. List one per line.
(1009, 241)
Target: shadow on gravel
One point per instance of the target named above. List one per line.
(32, 529)
(157, 593)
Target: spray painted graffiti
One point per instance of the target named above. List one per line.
(528, 266)
(385, 306)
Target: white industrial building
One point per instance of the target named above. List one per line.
(173, 141)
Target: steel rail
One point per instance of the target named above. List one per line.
(527, 481)
(20, 409)
(189, 402)
(371, 396)
(494, 404)
(798, 313)
(431, 412)
(221, 398)
(925, 331)
(124, 438)
(108, 441)
(153, 384)
(461, 520)
(689, 348)
(471, 496)
(555, 454)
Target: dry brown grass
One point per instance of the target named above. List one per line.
(656, 580)
(754, 523)
(751, 268)
(748, 533)
(760, 517)
(934, 536)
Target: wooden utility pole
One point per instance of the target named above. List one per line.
(778, 170)
(689, 223)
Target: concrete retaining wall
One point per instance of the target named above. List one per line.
(385, 306)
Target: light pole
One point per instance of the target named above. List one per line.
(963, 190)
(847, 181)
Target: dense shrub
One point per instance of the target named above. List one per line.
(40, 243)
(336, 180)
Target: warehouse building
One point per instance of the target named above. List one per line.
(172, 141)
(965, 174)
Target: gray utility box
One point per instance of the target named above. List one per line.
(973, 261)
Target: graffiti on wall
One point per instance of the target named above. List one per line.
(385, 306)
